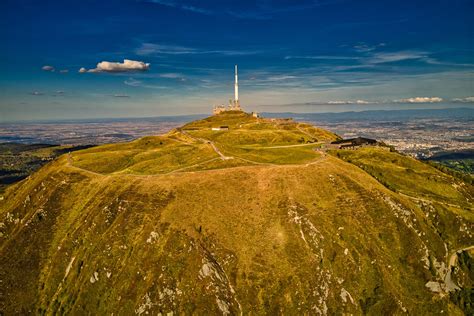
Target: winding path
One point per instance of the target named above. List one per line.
(207, 141)
(450, 285)
(70, 160)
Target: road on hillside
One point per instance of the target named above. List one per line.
(450, 285)
(207, 141)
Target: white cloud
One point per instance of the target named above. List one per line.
(420, 100)
(260, 11)
(138, 83)
(177, 5)
(323, 57)
(58, 93)
(132, 82)
(281, 77)
(48, 68)
(350, 102)
(121, 96)
(380, 58)
(37, 93)
(127, 66)
(364, 47)
(171, 75)
(464, 100)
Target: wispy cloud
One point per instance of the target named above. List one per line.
(364, 47)
(173, 75)
(265, 10)
(182, 6)
(121, 96)
(372, 58)
(132, 82)
(389, 57)
(37, 93)
(434, 61)
(58, 93)
(324, 57)
(260, 10)
(126, 66)
(147, 49)
(464, 100)
(48, 68)
(153, 49)
(420, 100)
(350, 102)
(281, 77)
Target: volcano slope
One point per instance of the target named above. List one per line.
(249, 220)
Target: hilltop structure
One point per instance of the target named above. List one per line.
(234, 105)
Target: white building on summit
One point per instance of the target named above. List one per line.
(234, 105)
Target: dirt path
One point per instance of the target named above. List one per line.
(207, 141)
(70, 160)
(427, 201)
(303, 131)
(223, 157)
(450, 285)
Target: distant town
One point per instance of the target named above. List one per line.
(421, 138)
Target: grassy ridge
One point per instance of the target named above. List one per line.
(248, 138)
(17, 161)
(410, 176)
(268, 231)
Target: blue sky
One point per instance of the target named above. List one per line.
(293, 56)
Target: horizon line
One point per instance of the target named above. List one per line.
(92, 119)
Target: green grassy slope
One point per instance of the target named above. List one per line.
(409, 176)
(155, 227)
(17, 161)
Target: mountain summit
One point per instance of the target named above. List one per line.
(236, 214)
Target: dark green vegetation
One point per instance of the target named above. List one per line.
(17, 161)
(251, 220)
(464, 272)
(457, 163)
(461, 165)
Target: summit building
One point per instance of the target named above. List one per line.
(234, 105)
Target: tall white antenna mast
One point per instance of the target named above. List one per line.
(236, 86)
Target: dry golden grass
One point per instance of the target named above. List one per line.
(164, 224)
